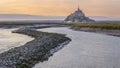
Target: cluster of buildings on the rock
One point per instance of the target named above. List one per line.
(78, 16)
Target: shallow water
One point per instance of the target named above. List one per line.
(86, 50)
(10, 40)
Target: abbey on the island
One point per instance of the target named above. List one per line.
(78, 16)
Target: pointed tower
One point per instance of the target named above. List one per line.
(79, 8)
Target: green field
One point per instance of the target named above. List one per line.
(96, 25)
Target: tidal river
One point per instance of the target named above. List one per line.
(86, 50)
(10, 40)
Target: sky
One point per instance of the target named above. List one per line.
(109, 8)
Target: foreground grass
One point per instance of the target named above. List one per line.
(96, 25)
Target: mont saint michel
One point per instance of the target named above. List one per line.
(78, 16)
(54, 34)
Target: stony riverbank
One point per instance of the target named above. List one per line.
(37, 50)
(112, 32)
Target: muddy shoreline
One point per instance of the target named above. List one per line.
(111, 32)
(38, 50)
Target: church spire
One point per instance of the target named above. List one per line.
(78, 8)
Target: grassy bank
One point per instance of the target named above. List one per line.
(23, 23)
(91, 25)
(96, 25)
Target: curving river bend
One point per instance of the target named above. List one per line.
(86, 50)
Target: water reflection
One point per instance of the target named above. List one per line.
(9, 40)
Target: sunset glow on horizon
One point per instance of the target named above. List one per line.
(109, 8)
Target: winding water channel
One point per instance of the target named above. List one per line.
(10, 40)
(86, 50)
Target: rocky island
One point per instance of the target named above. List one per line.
(37, 50)
(78, 16)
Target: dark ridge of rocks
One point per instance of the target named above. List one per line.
(37, 50)
(78, 16)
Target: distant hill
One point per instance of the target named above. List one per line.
(29, 18)
(39, 18)
(103, 18)
(25, 16)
